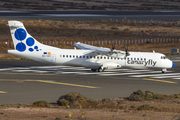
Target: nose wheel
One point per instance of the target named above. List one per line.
(164, 70)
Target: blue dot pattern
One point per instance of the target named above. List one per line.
(36, 47)
(31, 49)
(20, 34)
(21, 47)
(30, 41)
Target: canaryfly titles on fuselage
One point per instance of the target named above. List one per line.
(150, 62)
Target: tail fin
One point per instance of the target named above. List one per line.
(22, 40)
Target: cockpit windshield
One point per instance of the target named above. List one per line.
(163, 57)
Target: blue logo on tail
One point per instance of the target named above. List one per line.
(20, 34)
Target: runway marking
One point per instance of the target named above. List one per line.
(167, 76)
(60, 70)
(44, 81)
(118, 74)
(159, 80)
(155, 75)
(3, 92)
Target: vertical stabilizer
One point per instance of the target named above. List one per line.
(22, 40)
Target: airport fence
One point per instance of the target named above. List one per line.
(151, 21)
(105, 42)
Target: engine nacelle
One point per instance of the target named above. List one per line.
(110, 65)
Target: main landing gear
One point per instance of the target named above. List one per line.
(164, 70)
(99, 70)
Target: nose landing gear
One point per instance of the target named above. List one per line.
(164, 70)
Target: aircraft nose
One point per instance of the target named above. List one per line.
(173, 64)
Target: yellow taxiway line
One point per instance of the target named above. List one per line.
(44, 81)
(160, 80)
(3, 92)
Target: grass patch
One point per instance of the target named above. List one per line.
(145, 107)
(41, 103)
(76, 100)
(147, 95)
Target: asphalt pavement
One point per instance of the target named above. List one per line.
(27, 81)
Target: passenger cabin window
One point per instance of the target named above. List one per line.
(67, 56)
(63, 55)
(144, 59)
(73, 56)
(76, 56)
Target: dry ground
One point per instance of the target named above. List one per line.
(167, 110)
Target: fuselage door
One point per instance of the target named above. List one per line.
(53, 58)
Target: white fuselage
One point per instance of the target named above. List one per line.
(89, 59)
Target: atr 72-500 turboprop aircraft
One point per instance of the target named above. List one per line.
(95, 58)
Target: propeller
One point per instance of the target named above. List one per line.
(126, 50)
(113, 47)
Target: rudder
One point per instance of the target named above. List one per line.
(22, 39)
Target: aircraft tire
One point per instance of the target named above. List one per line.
(100, 70)
(164, 70)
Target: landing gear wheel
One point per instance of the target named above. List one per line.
(164, 70)
(93, 70)
(100, 70)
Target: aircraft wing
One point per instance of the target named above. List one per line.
(100, 50)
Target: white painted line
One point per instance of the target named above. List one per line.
(166, 77)
(176, 60)
(176, 78)
(88, 73)
(36, 71)
(118, 74)
(67, 72)
(118, 69)
(154, 75)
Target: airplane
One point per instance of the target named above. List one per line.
(95, 58)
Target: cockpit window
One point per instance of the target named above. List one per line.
(163, 57)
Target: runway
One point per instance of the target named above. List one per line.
(114, 15)
(26, 81)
